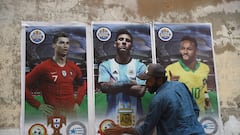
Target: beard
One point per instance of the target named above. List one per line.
(123, 51)
(153, 88)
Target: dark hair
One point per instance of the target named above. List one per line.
(123, 31)
(191, 39)
(59, 34)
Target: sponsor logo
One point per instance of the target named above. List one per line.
(76, 128)
(165, 34)
(209, 125)
(37, 36)
(103, 34)
(37, 129)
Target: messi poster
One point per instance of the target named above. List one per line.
(192, 65)
(121, 52)
(54, 72)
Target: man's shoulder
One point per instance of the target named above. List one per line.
(173, 84)
(106, 61)
(166, 90)
(45, 62)
(137, 62)
(204, 65)
(44, 65)
(71, 62)
(172, 65)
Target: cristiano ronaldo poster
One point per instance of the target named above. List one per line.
(121, 52)
(54, 72)
(186, 52)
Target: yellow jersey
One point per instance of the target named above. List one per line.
(196, 80)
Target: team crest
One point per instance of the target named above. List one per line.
(64, 73)
(125, 117)
(37, 129)
(56, 123)
(165, 34)
(103, 34)
(37, 36)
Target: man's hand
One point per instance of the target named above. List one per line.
(46, 109)
(173, 77)
(115, 130)
(76, 107)
(207, 104)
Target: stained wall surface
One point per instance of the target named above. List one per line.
(223, 14)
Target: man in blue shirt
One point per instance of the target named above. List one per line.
(173, 111)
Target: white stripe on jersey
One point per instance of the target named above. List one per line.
(124, 72)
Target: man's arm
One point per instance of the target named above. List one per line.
(31, 78)
(30, 99)
(207, 101)
(81, 87)
(117, 130)
(195, 106)
(127, 87)
(108, 84)
(170, 75)
(206, 94)
(156, 110)
(81, 92)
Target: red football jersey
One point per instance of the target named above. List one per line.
(56, 84)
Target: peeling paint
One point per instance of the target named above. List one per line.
(223, 14)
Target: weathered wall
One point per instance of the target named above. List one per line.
(223, 14)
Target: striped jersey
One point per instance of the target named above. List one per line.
(121, 73)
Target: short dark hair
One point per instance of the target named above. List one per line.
(153, 70)
(124, 31)
(59, 34)
(191, 39)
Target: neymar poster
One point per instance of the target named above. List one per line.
(186, 52)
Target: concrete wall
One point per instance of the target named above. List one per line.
(223, 14)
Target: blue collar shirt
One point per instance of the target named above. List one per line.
(173, 111)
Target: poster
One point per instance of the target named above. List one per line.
(109, 52)
(121, 51)
(54, 76)
(200, 75)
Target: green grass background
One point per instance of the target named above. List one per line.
(101, 105)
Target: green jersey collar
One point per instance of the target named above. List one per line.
(186, 68)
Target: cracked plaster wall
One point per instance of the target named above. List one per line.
(223, 14)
